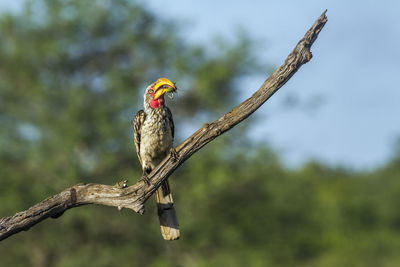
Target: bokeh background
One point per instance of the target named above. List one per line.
(312, 179)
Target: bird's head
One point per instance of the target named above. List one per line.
(154, 95)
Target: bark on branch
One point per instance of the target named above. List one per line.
(134, 197)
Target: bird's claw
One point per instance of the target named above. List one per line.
(145, 179)
(174, 153)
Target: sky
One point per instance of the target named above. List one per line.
(341, 108)
(345, 103)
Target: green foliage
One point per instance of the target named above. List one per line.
(72, 76)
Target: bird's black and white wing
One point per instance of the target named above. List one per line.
(171, 122)
(137, 131)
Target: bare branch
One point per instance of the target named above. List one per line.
(134, 197)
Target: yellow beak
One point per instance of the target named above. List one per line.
(162, 86)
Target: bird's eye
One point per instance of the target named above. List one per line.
(151, 91)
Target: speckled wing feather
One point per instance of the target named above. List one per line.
(137, 131)
(171, 123)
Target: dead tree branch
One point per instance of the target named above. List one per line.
(134, 197)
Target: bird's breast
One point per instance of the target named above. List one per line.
(156, 139)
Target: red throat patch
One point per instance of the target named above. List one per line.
(155, 103)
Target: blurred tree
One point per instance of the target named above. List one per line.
(72, 77)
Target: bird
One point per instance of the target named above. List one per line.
(153, 129)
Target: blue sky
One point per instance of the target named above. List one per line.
(347, 98)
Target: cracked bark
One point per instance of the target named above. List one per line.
(134, 197)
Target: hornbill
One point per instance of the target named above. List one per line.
(154, 135)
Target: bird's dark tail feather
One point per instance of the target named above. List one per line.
(166, 213)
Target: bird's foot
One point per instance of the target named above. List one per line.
(174, 154)
(122, 184)
(145, 179)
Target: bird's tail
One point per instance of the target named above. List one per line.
(166, 212)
